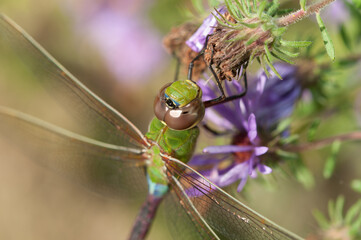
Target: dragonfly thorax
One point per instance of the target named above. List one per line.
(179, 105)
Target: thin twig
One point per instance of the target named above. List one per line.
(300, 14)
(323, 142)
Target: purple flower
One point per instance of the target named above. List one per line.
(198, 39)
(268, 101)
(278, 97)
(130, 46)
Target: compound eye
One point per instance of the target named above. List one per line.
(171, 104)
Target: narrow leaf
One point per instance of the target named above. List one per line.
(356, 185)
(312, 130)
(345, 38)
(198, 6)
(303, 4)
(273, 8)
(331, 160)
(261, 8)
(354, 210)
(340, 202)
(326, 37)
(320, 218)
(268, 60)
(287, 53)
(296, 44)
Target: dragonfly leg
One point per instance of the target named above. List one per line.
(222, 98)
(177, 67)
(201, 53)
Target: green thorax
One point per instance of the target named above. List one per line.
(182, 92)
(178, 144)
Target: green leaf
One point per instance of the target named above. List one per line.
(279, 31)
(304, 176)
(320, 218)
(245, 7)
(261, 8)
(340, 202)
(231, 9)
(291, 139)
(303, 4)
(273, 8)
(295, 44)
(312, 130)
(357, 4)
(282, 58)
(283, 125)
(198, 6)
(331, 160)
(352, 212)
(268, 59)
(356, 185)
(326, 37)
(287, 155)
(331, 209)
(345, 38)
(287, 53)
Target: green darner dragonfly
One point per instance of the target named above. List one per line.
(158, 158)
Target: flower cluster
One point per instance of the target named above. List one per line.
(268, 101)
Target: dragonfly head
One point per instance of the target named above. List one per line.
(179, 105)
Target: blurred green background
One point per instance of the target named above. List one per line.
(35, 203)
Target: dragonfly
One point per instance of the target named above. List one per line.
(157, 159)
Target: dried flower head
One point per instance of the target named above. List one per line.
(243, 32)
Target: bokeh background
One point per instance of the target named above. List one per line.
(115, 48)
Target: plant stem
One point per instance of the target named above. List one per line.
(300, 14)
(323, 142)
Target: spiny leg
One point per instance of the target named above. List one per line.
(219, 100)
(176, 68)
(222, 98)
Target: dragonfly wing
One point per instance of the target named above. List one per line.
(98, 119)
(105, 166)
(226, 216)
(181, 216)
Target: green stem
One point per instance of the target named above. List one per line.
(301, 14)
(323, 142)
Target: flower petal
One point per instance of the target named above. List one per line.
(260, 150)
(252, 128)
(241, 184)
(264, 169)
(197, 40)
(233, 175)
(227, 149)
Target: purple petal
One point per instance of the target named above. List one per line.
(220, 121)
(232, 175)
(227, 149)
(260, 150)
(261, 83)
(204, 159)
(241, 184)
(252, 128)
(264, 169)
(250, 164)
(197, 40)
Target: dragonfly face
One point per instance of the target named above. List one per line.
(179, 105)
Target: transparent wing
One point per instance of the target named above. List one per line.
(217, 211)
(96, 118)
(181, 218)
(104, 167)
